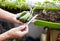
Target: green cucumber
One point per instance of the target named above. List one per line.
(47, 24)
(25, 16)
(23, 13)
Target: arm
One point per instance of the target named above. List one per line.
(9, 16)
(3, 37)
(17, 32)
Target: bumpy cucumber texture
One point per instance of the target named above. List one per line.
(25, 16)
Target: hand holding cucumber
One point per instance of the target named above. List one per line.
(25, 16)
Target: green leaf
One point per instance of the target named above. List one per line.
(54, 0)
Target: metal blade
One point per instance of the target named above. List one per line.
(32, 19)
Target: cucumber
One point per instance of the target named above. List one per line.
(25, 16)
(47, 24)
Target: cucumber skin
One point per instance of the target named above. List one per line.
(25, 16)
(47, 24)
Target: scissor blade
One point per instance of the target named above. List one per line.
(32, 19)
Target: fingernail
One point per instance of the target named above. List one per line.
(23, 29)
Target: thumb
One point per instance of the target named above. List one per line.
(21, 27)
(19, 22)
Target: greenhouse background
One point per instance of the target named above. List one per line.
(47, 24)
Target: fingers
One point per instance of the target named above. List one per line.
(21, 28)
(23, 33)
(17, 15)
(19, 22)
(25, 28)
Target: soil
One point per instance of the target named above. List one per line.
(50, 15)
(14, 11)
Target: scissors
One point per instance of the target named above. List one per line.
(29, 22)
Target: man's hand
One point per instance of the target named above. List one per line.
(18, 32)
(16, 20)
(15, 33)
